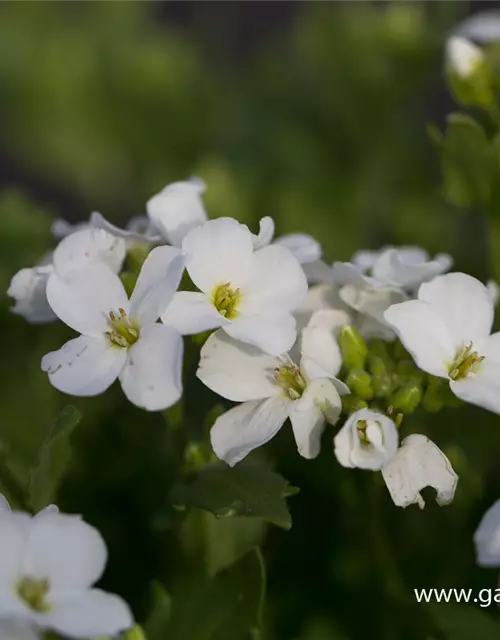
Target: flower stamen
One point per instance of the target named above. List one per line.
(33, 591)
(226, 300)
(467, 362)
(124, 332)
(289, 378)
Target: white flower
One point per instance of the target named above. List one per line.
(48, 564)
(462, 56)
(172, 212)
(271, 389)
(120, 338)
(398, 267)
(27, 288)
(250, 294)
(419, 463)
(368, 440)
(487, 538)
(87, 246)
(320, 297)
(447, 331)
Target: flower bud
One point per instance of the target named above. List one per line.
(468, 73)
(433, 399)
(408, 397)
(352, 347)
(360, 383)
(136, 633)
(350, 404)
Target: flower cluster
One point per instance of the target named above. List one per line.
(48, 564)
(285, 334)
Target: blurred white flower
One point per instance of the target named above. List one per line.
(447, 331)
(48, 564)
(120, 337)
(271, 389)
(399, 267)
(84, 247)
(487, 538)
(368, 440)
(419, 463)
(493, 292)
(250, 294)
(463, 57)
(483, 26)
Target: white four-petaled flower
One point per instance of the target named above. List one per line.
(447, 331)
(120, 337)
(48, 565)
(250, 294)
(271, 389)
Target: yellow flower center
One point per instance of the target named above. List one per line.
(290, 380)
(123, 332)
(466, 362)
(361, 427)
(33, 591)
(226, 300)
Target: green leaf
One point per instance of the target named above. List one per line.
(467, 163)
(53, 459)
(228, 607)
(244, 490)
(462, 622)
(158, 619)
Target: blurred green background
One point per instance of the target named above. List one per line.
(315, 114)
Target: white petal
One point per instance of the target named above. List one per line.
(463, 56)
(370, 328)
(419, 463)
(493, 292)
(266, 233)
(177, 209)
(381, 447)
(87, 246)
(424, 334)
(305, 248)
(235, 370)
(395, 268)
(318, 272)
(4, 505)
(319, 297)
(191, 313)
(14, 533)
(274, 334)
(370, 300)
(158, 280)
(487, 538)
(248, 426)
(97, 221)
(219, 252)
(152, 377)
(28, 288)
(17, 630)
(320, 346)
(49, 510)
(319, 402)
(464, 305)
(366, 259)
(277, 282)
(66, 550)
(85, 366)
(483, 26)
(347, 273)
(84, 298)
(89, 614)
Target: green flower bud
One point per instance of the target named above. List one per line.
(136, 633)
(433, 399)
(469, 74)
(406, 367)
(352, 347)
(379, 350)
(383, 386)
(377, 366)
(408, 397)
(350, 404)
(360, 383)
